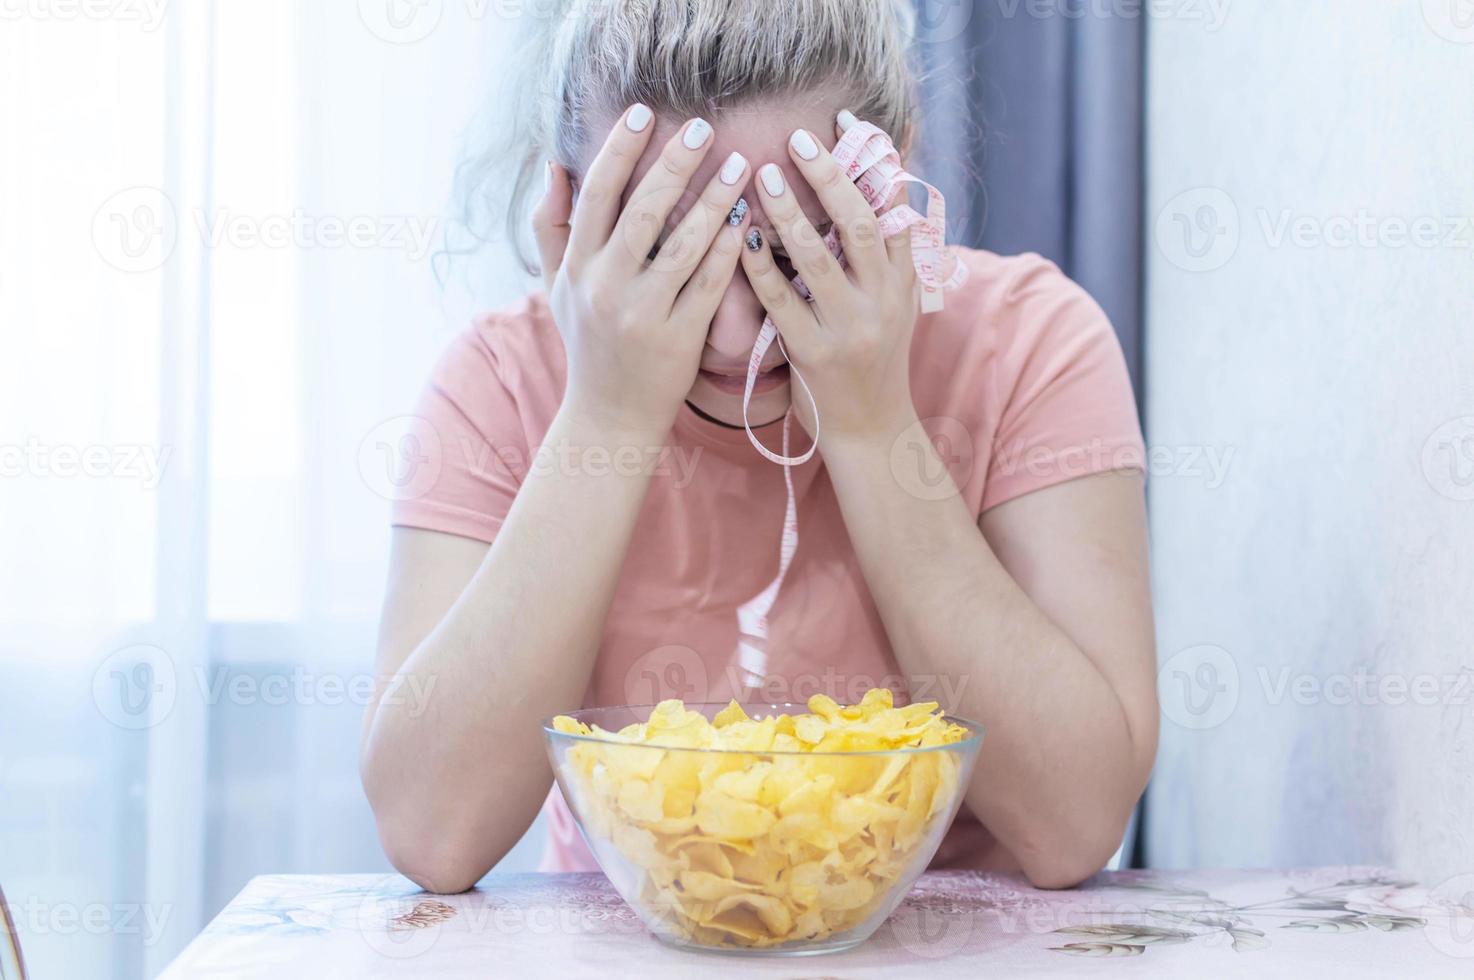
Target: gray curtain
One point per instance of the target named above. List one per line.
(1032, 128)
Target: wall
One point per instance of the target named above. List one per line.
(1315, 595)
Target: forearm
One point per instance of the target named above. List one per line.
(456, 780)
(1060, 767)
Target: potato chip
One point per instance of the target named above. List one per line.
(733, 712)
(709, 857)
(723, 815)
(709, 887)
(769, 840)
(771, 912)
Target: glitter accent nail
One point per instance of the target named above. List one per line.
(754, 240)
(738, 212)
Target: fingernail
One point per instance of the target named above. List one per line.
(772, 179)
(639, 117)
(754, 240)
(738, 212)
(846, 119)
(732, 169)
(696, 134)
(803, 144)
(547, 175)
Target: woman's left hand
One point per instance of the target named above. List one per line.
(853, 343)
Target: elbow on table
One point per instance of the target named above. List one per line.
(433, 866)
(427, 849)
(1062, 871)
(1065, 864)
(428, 852)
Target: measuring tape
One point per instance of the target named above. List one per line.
(870, 160)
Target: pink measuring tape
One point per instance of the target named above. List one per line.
(871, 161)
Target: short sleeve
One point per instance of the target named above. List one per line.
(1067, 406)
(472, 444)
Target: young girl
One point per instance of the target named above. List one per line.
(601, 530)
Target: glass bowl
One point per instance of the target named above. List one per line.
(798, 853)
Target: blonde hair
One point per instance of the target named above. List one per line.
(579, 63)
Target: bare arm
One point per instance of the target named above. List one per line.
(496, 639)
(1040, 611)
(508, 634)
(1043, 624)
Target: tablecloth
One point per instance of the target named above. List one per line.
(1336, 923)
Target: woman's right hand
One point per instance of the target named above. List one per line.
(634, 320)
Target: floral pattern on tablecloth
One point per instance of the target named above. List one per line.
(1175, 914)
(1271, 922)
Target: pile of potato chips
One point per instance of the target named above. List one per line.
(766, 842)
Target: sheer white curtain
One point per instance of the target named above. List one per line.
(218, 222)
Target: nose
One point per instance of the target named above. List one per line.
(735, 326)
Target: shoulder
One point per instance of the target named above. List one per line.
(1014, 318)
(501, 378)
(518, 343)
(509, 356)
(1027, 363)
(1012, 301)
(490, 398)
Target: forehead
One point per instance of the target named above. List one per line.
(760, 133)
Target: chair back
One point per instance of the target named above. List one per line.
(12, 964)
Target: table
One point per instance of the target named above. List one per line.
(1342, 922)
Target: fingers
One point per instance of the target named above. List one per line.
(844, 121)
(859, 232)
(550, 221)
(650, 204)
(805, 248)
(703, 291)
(790, 311)
(718, 208)
(609, 174)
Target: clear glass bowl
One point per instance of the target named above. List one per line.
(817, 872)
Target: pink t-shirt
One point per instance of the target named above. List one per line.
(1019, 381)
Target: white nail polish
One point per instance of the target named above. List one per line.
(846, 119)
(803, 144)
(772, 180)
(696, 134)
(732, 169)
(639, 118)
